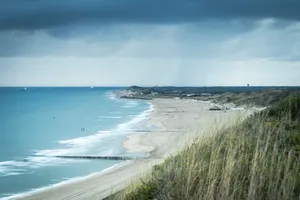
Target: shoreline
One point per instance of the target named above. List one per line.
(179, 120)
(141, 117)
(73, 180)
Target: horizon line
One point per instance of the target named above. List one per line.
(98, 86)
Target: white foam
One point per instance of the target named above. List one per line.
(62, 183)
(110, 117)
(9, 171)
(73, 146)
(104, 132)
(111, 95)
(109, 152)
(80, 143)
(83, 144)
(12, 174)
(11, 168)
(131, 104)
(53, 152)
(135, 120)
(39, 190)
(12, 163)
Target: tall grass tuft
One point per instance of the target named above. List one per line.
(255, 159)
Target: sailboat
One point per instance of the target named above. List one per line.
(24, 89)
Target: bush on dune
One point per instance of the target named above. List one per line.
(256, 159)
(288, 108)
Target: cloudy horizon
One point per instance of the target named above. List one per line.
(129, 42)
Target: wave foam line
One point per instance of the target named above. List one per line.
(80, 143)
(63, 183)
(13, 168)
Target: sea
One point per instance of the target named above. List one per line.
(38, 124)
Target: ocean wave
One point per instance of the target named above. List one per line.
(11, 174)
(111, 95)
(76, 146)
(10, 168)
(17, 167)
(53, 152)
(121, 128)
(136, 120)
(110, 117)
(83, 144)
(131, 104)
(42, 189)
(80, 144)
(84, 141)
(64, 182)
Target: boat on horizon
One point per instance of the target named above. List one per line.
(24, 89)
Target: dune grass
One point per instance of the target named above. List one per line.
(255, 159)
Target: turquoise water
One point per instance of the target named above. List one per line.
(40, 123)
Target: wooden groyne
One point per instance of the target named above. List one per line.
(101, 157)
(136, 97)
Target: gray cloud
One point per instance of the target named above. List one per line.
(216, 41)
(187, 42)
(34, 14)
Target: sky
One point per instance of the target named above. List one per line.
(149, 42)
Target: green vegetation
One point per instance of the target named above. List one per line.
(259, 98)
(258, 158)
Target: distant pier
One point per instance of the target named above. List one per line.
(101, 157)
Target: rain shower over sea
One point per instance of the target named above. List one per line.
(38, 124)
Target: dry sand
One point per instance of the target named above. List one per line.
(179, 120)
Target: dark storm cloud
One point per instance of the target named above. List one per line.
(38, 14)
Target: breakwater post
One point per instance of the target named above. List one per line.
(101, 157)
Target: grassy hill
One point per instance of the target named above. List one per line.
(259, 96)
(258, 158)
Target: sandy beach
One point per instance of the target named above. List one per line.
(179, 121)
